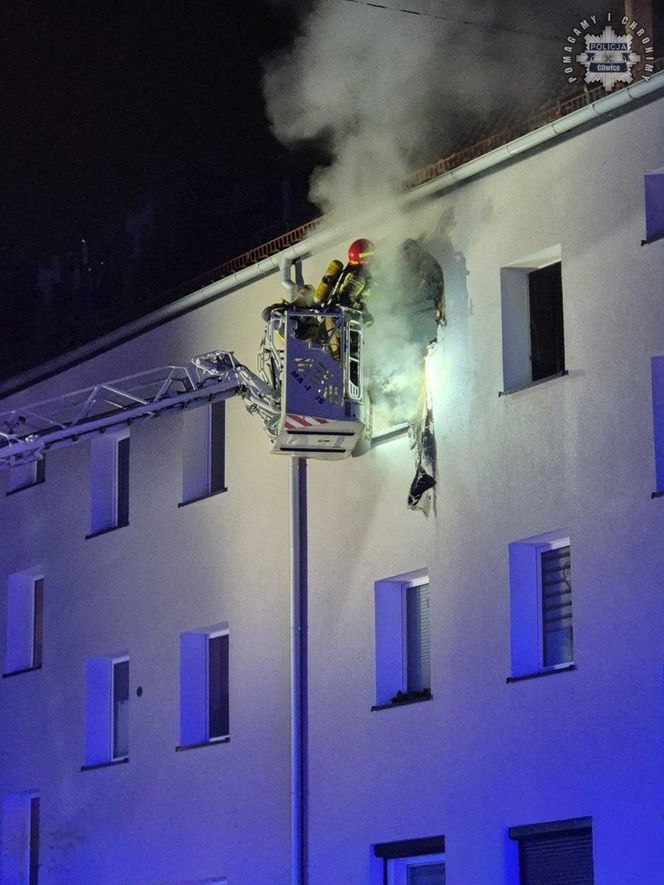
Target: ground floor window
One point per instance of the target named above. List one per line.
(413, 861)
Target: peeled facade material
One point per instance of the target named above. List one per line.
(487, 753)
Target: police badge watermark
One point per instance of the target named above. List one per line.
(611, 51)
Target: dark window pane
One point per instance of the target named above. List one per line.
(123, 481)
(33, 878)
(218, 713)
(120, 709)
(38, 621)
(40, 473)
(217, 446)
(426, 874)
(547, 344)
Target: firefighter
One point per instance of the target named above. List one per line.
(354, 284)
(352, 290)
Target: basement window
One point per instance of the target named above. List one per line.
(107, 711)
(541, 605)
(204, 452)
(560, 851)
(20, 838)
(109, 487)
(25, 611)
(403, 640)
(532, 318)
(654, 194)
(24, 476)
(413, 861)
(204, 686)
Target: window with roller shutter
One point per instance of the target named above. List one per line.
(403, 640)
(556, 853)
(542, 634)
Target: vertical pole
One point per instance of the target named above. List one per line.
(299, 712)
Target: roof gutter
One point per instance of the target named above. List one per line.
(590, 114)
(604, 107)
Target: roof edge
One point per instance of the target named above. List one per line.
(594, 113)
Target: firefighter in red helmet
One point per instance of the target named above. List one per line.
(351, 289)
(352, 286)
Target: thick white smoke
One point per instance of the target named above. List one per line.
(385, 92)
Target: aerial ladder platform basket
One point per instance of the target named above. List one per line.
(316, 359)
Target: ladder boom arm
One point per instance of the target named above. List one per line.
(26, 433)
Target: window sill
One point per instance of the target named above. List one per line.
(539, 673)
(212, 743)
(428, 697)
(19, 672)
(112, 528)
(529, 384)
(654, 239)
(40, 482)
(203, 497)
(110, 764)
(658, 494)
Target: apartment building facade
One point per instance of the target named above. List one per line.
(485, 685)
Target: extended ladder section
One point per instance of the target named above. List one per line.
(26, 433)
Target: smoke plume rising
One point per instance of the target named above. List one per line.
(384, 92)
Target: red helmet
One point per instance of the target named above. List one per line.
(360, 252)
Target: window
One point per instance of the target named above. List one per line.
(654, 188)
(25, 612)
(203, 452)
(120, 709)
(532, 313)
(403, 639)
(107, 711)
(204, 686)
(20, 839)
(109, 482)
(561, 851)
(215, 880)
(541, 604)
(23, 476)
(413, 862)
(657, 364)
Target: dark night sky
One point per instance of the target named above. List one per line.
(97, 99)
(107, 108)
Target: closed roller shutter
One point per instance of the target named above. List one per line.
(418, 638)
(557, 859)
(557, 606)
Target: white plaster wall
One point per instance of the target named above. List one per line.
(573, 453)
